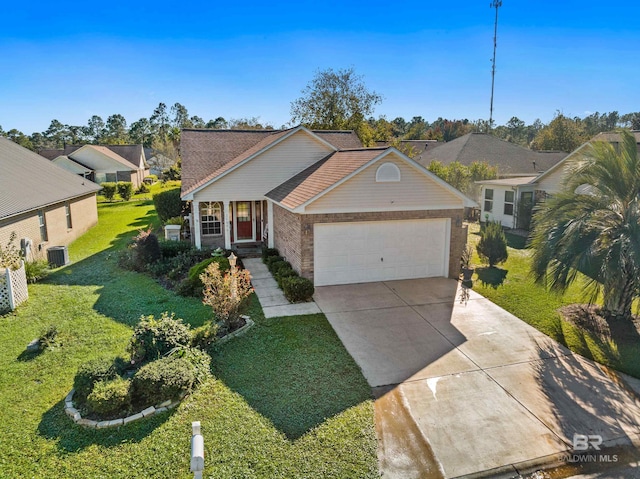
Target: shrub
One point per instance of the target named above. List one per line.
(168, 204)
(192, 285)
(204, 336)
(143, 188)
(162, 379)
(226, 294)
(150, 179)
(297, 289)
(199, 360)
(169, 249)
(108, 190)
(109, 397)
(146, 249)
(10, 254)
(176, 220)
(48, 338)
(278, 266)
(101, 369)
(492, 246)
(271, 260)
(125, 190)
(267, 252)
(284, 273)
(36, 270)
(153, 338)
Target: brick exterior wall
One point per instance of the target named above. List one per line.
(294, 233)
(84, 215)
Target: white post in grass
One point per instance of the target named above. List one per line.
(197, 451)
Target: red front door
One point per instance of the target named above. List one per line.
(244, 221)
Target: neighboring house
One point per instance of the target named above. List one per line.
(157, 161)
(510, 159)
(511, 200)
(42, 202)
(105, 163)
(508, 200)
(338, 212)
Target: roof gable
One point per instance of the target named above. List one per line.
(337, 168)
(133, 155)
(93, 156)
(44, 183)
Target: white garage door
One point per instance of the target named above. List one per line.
(380, 250)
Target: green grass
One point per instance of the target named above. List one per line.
(511, 286)
(286, 401)
(157, 187)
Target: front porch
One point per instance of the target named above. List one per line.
(231, 224)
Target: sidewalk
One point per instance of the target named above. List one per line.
(273, 302)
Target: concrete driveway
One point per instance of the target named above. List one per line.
(464, 387)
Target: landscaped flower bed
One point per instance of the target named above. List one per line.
(295, 288)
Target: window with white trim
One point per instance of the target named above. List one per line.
(42, 220)
(509, 197)
(211, 218)
(67, 212)
(488, 200)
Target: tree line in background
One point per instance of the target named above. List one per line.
(334, 100)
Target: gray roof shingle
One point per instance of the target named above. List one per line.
(509, 158)
(30, 181)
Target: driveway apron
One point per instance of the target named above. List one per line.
(464, 388)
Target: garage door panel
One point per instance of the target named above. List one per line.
(379, 251)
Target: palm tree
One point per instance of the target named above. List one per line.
(593, 227)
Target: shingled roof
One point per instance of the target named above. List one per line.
(322, 175)
(30, 181)
(207, 154)
(130, 153)
(509, 158)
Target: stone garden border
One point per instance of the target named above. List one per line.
(74, 414)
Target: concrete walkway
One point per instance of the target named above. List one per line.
(273, 302)
(465, 389)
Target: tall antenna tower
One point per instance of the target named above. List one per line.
(495, 4)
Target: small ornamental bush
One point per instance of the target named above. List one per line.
(170, 249)
(162, 379)
(153, 338)
(89, 373)
(109, 397)
(10, 254)
(204, 336)
(168, 204)
(272, 260)
(143, 188)
(267, 252)
(227, 294)
(199, 360)
(48, 338)
(145, 251)
(284, 273)
(125, 190)
(36, 270)
(492, 247)
(297, 289)
(109, 190)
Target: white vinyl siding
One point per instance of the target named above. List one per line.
(377, 251)
(552, 183)
(362, 193)
(263, 173)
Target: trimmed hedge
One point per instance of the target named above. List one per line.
(297, 289)
(267, 252)
(89, 373)
(109, 397)
(168, 204)
(171, 249)
(109, 190)
(163, 379)
(125, 190)
(271, 260)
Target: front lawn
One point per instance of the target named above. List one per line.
(287, 400)
(511, 286)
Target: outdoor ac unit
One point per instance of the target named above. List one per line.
(58, 256)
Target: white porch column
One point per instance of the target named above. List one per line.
(195, 205)
(270, 242)
(227, 225)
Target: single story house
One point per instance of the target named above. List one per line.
(338, 212)
(103, 163)
(42, 203)
(511, 200)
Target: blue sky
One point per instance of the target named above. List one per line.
(68, 61)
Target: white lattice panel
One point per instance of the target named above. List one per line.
(5, 304)
(13, 288)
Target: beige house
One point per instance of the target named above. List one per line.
(42, 203)
(338, 212)
(103, 163)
